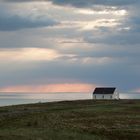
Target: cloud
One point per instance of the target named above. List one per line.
(115, 73)
(96, 42)
(90, 3)
(136, 90)
(76, 87)
(15, 22)
(22, 0)
(29, 54)
(115, 39)
(83, 3)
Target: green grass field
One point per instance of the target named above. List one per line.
(73, 120)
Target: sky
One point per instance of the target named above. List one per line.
(69, 45)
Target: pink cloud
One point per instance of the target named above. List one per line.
(137, 90)
(76, 87)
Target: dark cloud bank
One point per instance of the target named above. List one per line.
(15, 22)
(83, 3)
(63, 72)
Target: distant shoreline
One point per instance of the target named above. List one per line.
(27, 98)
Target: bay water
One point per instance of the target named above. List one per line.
(26, 98)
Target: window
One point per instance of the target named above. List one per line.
(110, 96)
(103, 96)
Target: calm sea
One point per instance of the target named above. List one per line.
(25, 98)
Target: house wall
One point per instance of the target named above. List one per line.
(104, 96)
(116, 95)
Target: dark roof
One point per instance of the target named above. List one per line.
(104, 90)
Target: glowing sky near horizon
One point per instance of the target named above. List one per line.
(69, 45)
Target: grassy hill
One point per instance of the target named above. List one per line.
(72, 120)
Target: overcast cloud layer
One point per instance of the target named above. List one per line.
(92, 42)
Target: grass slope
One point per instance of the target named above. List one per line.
(73, 120)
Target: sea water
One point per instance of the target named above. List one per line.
(25, 98)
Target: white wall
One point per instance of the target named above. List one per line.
(116, 95)
(105, 96)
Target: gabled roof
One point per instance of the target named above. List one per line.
(104, 90)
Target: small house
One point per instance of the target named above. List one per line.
(105, 93)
